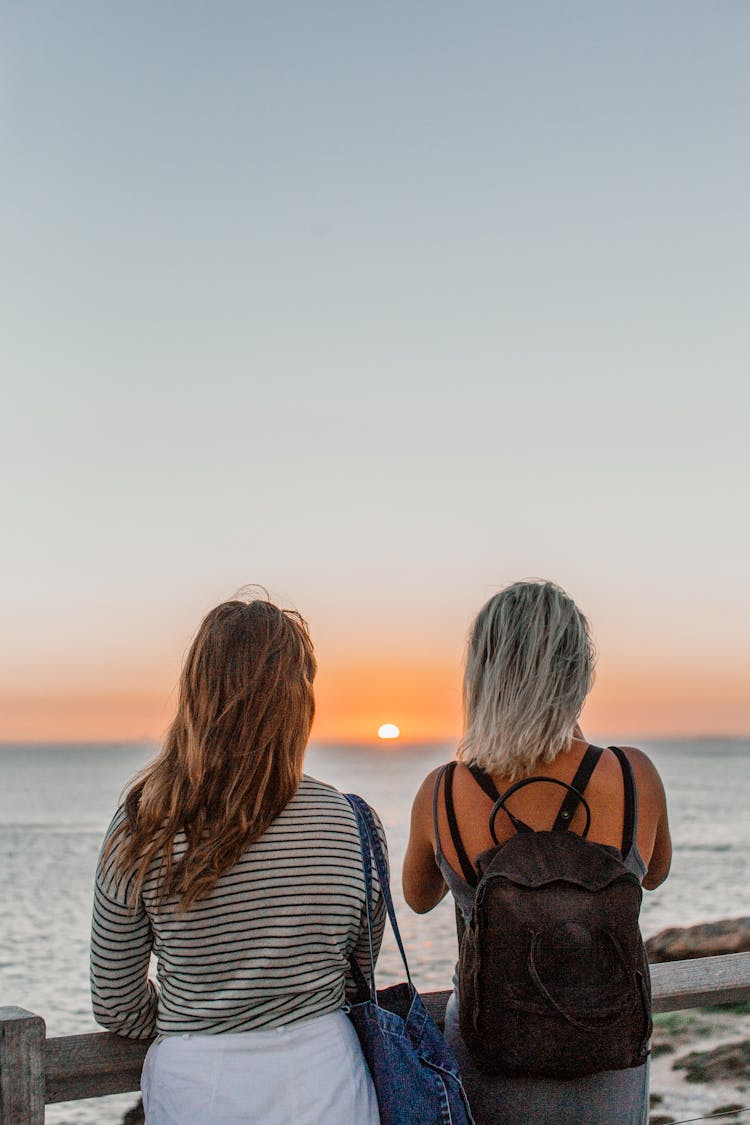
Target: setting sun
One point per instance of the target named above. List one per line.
(388, 730)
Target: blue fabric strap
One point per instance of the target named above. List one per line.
(364, 843)
(372, 850)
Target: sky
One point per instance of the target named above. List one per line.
(380, 307)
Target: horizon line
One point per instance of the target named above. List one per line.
(361, 743)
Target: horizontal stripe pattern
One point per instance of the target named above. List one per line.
(270, 946)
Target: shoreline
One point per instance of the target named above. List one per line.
(697, 1033)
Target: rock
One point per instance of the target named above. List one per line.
(730, 1062)
(709, 939)
(134, 1116)
(675, 1031)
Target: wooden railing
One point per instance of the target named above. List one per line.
(36, 1071)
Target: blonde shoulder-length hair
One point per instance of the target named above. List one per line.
(232, 758)
(529, 667)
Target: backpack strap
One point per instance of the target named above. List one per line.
(467, 868)
(484, 781)
(519, 824)
(630, 817)
(373, 854)
(571, 801)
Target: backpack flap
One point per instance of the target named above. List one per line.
(538, 858)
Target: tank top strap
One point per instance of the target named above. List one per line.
(435, 790)
(630, 816)
(467, 868)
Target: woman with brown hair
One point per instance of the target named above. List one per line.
(243, 876)
(529, 668)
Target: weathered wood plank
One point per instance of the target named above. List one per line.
(22, 1089)
(700, 982)
(87, 1066)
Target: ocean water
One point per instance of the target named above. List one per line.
(56, 802)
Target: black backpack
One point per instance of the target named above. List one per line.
(553, 974)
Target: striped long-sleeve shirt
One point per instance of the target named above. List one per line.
(268, 947)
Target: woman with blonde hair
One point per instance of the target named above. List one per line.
(243, 876)
(529, 668)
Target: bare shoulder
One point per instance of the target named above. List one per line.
(427, 787)
(647, 776)
(421, 810)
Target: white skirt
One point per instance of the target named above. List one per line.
(312, 1073)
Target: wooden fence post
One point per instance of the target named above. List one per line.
(22, 1093)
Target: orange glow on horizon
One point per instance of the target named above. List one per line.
(352, 702)
(423, 700)
(671, 702)
(74, 717)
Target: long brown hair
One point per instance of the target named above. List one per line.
(232, 758)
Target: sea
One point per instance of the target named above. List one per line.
(57, 800)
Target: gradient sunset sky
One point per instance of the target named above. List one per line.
(382, 307)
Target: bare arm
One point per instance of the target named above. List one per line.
(423, 884)
(661, 860)
(656, 845)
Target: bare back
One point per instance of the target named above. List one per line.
(537, 806)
